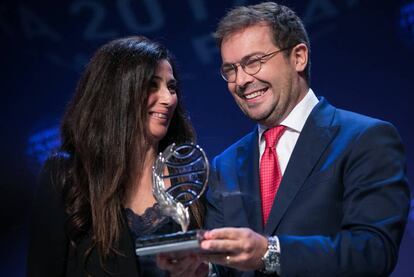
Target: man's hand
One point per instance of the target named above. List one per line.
(240, 248)
(182, 264)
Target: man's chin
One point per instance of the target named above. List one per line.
(264, 119)
(258, 117)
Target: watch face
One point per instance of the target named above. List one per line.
(274, 258)
(271, 258)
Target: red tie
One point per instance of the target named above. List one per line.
(270, 174)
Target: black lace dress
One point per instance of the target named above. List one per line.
(152, 222)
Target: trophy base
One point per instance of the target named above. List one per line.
(180, 241)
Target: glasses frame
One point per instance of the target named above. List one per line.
(262, 59)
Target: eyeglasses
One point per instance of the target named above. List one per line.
(250, 65)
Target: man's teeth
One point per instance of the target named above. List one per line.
(255, 94)
(159, 115)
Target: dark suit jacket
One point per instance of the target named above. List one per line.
(48, 249)
(343, 201)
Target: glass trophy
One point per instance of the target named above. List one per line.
(180, 175)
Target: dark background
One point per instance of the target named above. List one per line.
(362, 60)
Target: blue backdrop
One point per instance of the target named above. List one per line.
(362, 60)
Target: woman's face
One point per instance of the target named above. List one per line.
(162, 101)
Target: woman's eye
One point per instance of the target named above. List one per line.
(172, 89)
(153, 85)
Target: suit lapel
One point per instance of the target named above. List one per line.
(313, 140)
(248, 174)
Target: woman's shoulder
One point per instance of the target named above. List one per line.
(53, 175)
(48, 240)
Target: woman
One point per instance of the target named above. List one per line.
(95, 194)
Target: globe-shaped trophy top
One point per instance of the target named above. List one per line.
(181, 171)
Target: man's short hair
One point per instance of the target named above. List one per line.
(288, 29)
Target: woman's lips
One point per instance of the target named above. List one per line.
(159, 115)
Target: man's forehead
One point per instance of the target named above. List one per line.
(245, 42)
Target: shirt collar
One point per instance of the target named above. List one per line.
(297, 117)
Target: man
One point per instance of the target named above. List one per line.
(328, 196)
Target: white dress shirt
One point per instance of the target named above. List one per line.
(294, 123)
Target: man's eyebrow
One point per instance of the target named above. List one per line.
(246, 57)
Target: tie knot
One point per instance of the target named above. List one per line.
(272, 135)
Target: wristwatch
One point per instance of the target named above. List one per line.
(271, 258)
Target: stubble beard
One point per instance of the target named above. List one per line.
(267, 117)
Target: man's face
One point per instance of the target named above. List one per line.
(268, 96)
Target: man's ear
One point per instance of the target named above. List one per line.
(299, 57)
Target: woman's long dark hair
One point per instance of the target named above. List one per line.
(104, 132)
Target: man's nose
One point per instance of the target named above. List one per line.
(242, 78)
